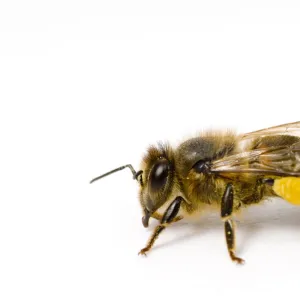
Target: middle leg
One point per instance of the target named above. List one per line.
(226, 212)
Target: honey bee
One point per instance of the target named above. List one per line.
(219, 170)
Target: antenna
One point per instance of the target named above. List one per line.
(134, 173)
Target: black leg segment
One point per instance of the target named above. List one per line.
(229, 233)
(172, 211)
(227, 201)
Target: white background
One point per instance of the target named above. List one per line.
(86, 86)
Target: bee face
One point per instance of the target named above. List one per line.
(156, 180)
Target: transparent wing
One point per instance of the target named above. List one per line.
(275, 160)
(285, 129)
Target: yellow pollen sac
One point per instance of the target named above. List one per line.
(288, 188)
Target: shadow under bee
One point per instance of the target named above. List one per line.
(269, 216)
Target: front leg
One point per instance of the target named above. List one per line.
(168, 218)
(159, 217)
(226, 212)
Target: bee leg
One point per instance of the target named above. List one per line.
(230, 239)
(168, 218)
(159, 217)
(226, 212)
(158, 229)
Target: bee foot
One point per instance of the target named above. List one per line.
(239, 261)
(236, 259)
(143, 251)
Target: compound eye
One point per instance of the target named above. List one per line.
(159, 175)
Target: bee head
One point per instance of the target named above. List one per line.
(156, 179)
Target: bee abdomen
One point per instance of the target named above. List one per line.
(288, 188)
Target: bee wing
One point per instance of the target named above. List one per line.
(285, 129)
(275, 160)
